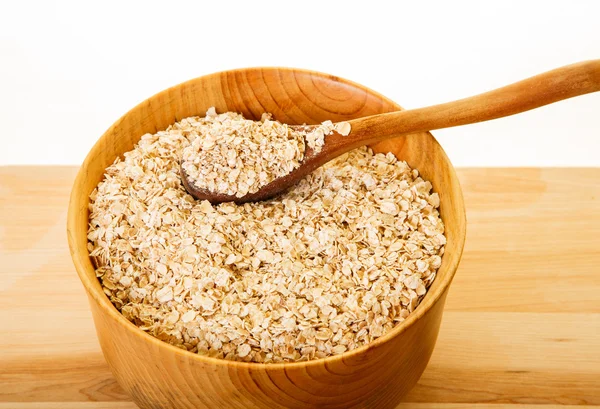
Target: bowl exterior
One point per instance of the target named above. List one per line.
(158, 375)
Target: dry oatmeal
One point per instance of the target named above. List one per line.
(237, 156)
(329, 266)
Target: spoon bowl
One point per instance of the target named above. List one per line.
(310, 162)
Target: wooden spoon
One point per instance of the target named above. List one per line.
(552, 86)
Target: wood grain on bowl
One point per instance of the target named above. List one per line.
(158, 375)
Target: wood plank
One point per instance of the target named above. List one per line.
(499, 357)
(73, 405)
(522, 325)
(533, 241)
(479, 357)
(486, 406)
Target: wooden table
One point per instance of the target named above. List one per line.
(521, 327)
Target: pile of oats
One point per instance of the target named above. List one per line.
(329, 266)
(236, 156)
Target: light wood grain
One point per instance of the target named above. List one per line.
(521, 328)
(159, 375)
(544, 224)
(543, 89)
(488, 406)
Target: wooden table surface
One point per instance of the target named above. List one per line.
(521, 327)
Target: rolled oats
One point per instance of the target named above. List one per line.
(343, 128)
(329, 266)
(236, 156)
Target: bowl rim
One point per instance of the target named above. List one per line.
(85, 269)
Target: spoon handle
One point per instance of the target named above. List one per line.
(543, 89)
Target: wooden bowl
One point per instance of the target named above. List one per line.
(158, 375)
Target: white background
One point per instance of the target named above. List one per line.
(69, 69)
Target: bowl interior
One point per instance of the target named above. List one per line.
(292, 96)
